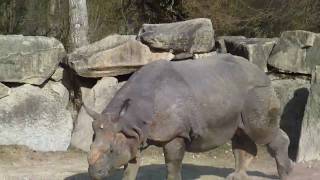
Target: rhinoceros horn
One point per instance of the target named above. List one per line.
(92, 113)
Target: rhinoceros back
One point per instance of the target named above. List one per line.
(218, 86)
(189, 98)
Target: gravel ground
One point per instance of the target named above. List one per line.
(18, 163)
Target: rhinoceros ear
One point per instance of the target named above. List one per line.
(124, 107)
(92, 113)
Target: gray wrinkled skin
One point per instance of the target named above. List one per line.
(190, 106)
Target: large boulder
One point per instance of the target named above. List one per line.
(221, 45)
(109, 42)
(4, 90)
(192, 36)
(296, 52)
(309, 144)
(29, 59)
(293, 95)
(123, 59)
(96, 98)
(36, 118)
(256, 50)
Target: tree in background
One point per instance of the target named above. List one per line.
(256, 18)
(251, 18)
(35, 18)
(78, 23)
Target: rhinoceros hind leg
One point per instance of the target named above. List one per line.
(174, 153)
(278, 148)
(244, 149)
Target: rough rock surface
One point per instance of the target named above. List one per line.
(297, 52)
(123, 59)
(256, 50)
(96, 98)
(29, 59)
(309, 145)
(36, 118)
(82, 134)
(193, 36)
(316, 75)
(109, 42)
(58, 74)
(57, 88)
(203, 55)
(4, 90)
(293, 95)
(221, 45)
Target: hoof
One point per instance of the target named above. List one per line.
(287, 171)
(238, 176)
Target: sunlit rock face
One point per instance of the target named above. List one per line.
(36, 117)
(97, 98)
(296, 52)
(309, 146)
(122, 59)
(29, 59)
(191, 36)
(4, 90)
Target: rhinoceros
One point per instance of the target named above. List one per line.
(194, 106)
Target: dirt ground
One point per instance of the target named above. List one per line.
(18, 163)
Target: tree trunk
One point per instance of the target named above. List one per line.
(78, 23)
(12, 16)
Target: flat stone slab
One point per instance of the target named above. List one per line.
(29, 59)
(106, 43)
(296, 52)
(123, 59)
(192, 36)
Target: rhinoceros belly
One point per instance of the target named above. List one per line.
(214, 135)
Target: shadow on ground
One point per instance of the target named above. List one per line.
(189, 172)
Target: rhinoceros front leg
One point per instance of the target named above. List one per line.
(174, 153)
(131, 169)
(244, 149)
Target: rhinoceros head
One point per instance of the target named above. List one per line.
(110, 148)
